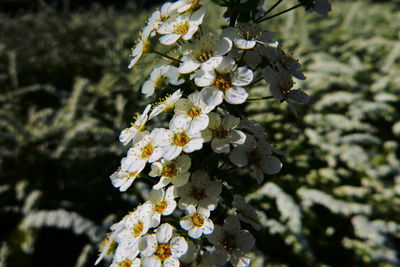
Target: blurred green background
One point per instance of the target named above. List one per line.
(66, 93)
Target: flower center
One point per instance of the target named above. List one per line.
(182, 28)
(198, 194)
(197, 220)
(204, 55)
(223, 82)
(220, 133)
(169, 170)
(125, 263)
(181, 139)
(286, 85)
(255, 158)
(194, 112)
(137, 229)
(228, 242)
(160, 82)
(251, 36)
(147, 151)
(161, 206)
(146, 46)
(132, 174)
(163, 252)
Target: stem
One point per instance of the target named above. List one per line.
(259, 98)
(232, 19)
(166, 56)
(269, 10)
(280, 13)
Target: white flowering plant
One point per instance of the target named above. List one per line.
(190, 146)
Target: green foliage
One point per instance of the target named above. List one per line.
(66, 93)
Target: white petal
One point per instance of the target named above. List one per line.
(230, 122)
(169, 39)
(215, 120)
(186, 223)
(242, 77)
(171, 262)
(244, 44)
(271, 165)
(193, 145)
(179, 246)
(227, 64)
(148, 246)
(162, 183)
(220, 145)
(152, 261)
(170, 208)
(212, 96)
(164, 233)
(236, 95)
(188, 65)
(204, 78)
(171, 152)
(195, 232)
(224, 46)
(180, 180)
(208, 227)
(212, 63)
(232, 224)
(217, 235)
(237, 137)
(298, 96)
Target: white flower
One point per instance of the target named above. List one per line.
(191, 254)
(193, 109)
(142, 46)
(171, 171)
(181, 26)
(222, 80)
(200, 52)
(163, 248)
(127, 263)
(257, 154)
(137, 224)
(181, 136)
(163, 203)
(107, 246)
(246, 36)
(231, 243)
(280, 85)
(166, 104)
(187, 5)
(286, 63)
(253, 127)
(160, 16)
(136, 131)
(246, 213)
(124, 177)
(142, 152)
(159, 79)
(199, 192)
(222, 132)
(196, 222)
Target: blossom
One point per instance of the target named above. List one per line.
(181, 136)
(142, 46)
(136, 131)
(107, 246)
(142, 152)
(163, 248)
(222, 80)
(166, 104)
(257, 154)
(199, 192)
(181, 26)
(200, 53)
(222, 132)
(246, 213)
(127, 263)
(163, 203)
(186, 5)
(159, 79)
(194, 110)
(231, 243)
(125, 176)
(196, 222)
(137, 224)
(171, 171)
(246, 36)
(281, 84)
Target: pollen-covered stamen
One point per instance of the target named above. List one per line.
(163, 252)
(169, 170)
(161, 206)
(251, 36)
(220, 133)
(132, 174)
(181, 139)
(197, 220)
(223, 82)
(194, 112)
(125, 263)
(182, 28)
(137, 229)
(198, 194)
(111, 244)
(228, 242)
(204, 55)
(147, 151)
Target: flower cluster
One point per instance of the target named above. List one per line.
(191, 157)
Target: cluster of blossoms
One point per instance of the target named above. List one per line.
(189, 143)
